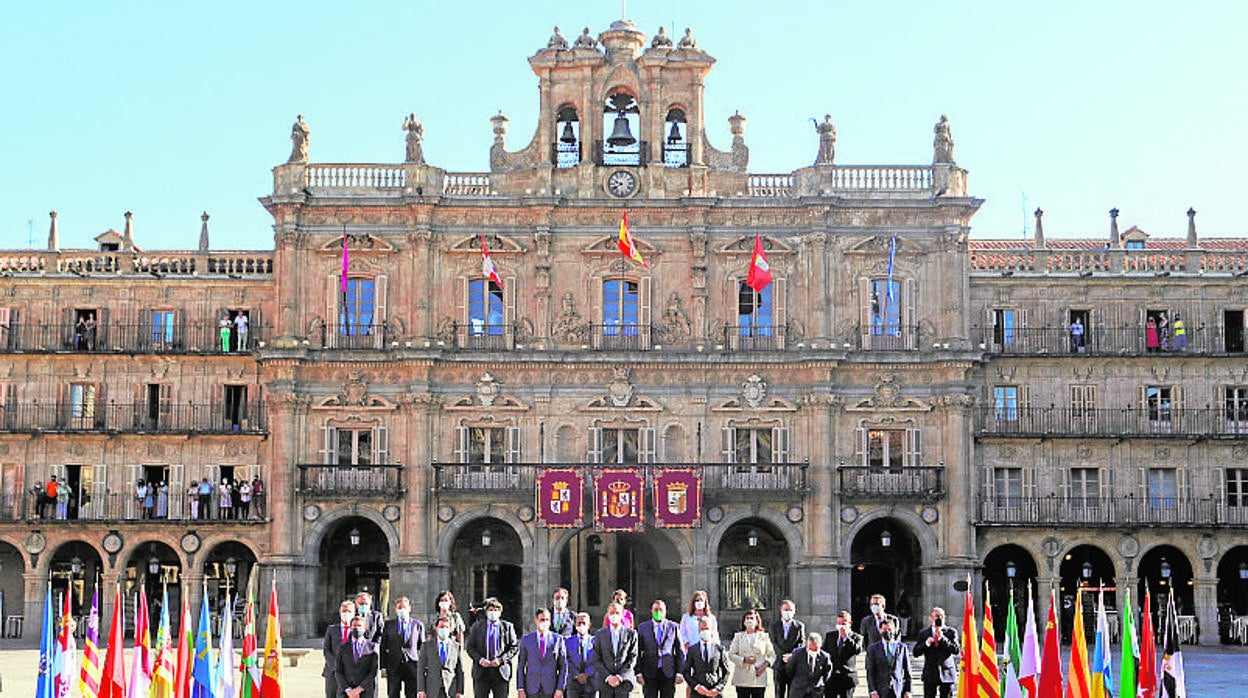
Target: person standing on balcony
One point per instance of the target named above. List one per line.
(257, 495)
(63, 493)
(224, 326)
(205, 499)
(244, 500)
(149, 500)
(48, 501)
(1150, 335)
(140, 498)
(90, 331)
(1180, 334)
(192, 496)
(1076, 336)
(162, 501)
(227, 501)
(240, 330)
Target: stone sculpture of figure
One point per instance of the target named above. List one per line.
(415, 134)
(943, 143)
(661, 40)
(827, 140)
(557, 41)
(299, 135)
(688, 41)
(586, 41)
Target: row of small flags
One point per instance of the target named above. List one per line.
(163, 669)
(1030, 673)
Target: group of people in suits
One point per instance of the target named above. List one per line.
(566, 656)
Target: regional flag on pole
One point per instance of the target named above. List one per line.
(1130, 651)
(186, 644)
(45, 686)
(1148, 650)
(1050, 681)
(66, 655)
(1173, 679)
(250, 664)
(225, 661)
(201, 673)
(628, 247)
(163, 665)
(271, 683)
(1078, 682)
(968, 678)
(141, 665)
(1029, 662)
(1102, 667)
(488, 269)
(1013, 653)
(89, 679)
(759, 274)
(114, 679)
(989, 677)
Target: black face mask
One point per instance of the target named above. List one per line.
(938, 622)
(886, 635)
(357, 633)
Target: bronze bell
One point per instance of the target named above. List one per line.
(674, 136)
(620, 135)
(568, 136)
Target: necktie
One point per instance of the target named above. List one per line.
(442, 651)
(558, 621)
(407, 632)
(344, 633)
(704, 652)
(491, 641)
(541, 644)
(585, 649)
(615, 642)
(786, 631)
(812, 663)
(359, 649)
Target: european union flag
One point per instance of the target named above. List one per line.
(47, 645)
(202, 679)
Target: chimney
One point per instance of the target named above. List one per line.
(127, 238)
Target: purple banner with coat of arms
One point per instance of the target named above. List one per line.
(560, 496)
(619, 500)
(677, 498)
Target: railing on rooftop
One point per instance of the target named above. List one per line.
(467, 184)
(177, 263)
(355, 176)
(1091, 262)
(848, 178)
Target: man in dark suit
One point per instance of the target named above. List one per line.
(355, 667)
(562, 618)
(335, 635)
(372, 617)
(401, 640)
(809, 668)
(787, 634)
(580, 649)
(938, 643)
(440, 671)
(492, 644)
(843, 647)
(660, 653)
(706, 664)
(615, 656)
(870, 627)
(888, 666)
(542, 669)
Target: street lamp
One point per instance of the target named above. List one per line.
(354, 535)
(886, 539)
(752, 538)
(486, 538)
(75, 566)
(231, 566)
(153, 566)
(1010, 570)
(1165, 569)
(1243, 570)
(1087, 570)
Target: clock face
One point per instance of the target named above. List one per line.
(621, 183)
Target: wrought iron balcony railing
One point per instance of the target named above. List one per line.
(1157, 421)
(716, 477)
(926, 483)
(106, 505)
(1127, 510)
(161, 418)
(354, 336)
(1104, 341)
(134, 338)
(335, 481)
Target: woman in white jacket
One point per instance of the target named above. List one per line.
(751, 653)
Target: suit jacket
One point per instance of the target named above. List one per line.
(870, 631)
(804, 683)
(507, 647)
(608, 661)
(372, 626)
(352, 671)
(844, 656)
(785, 644)
(438, 679)
(655, 659)
(333, 640)
(712, 672)
(888, 678)
(539, 673)
(567, 622)
(578, 663)
(941, 663)
(394, 649)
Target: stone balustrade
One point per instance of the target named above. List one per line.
(882, 177)
(355, 176)
(1087, 262)
(467, 184)
(235, 263)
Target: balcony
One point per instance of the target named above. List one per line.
(1100, 341)
(913, 483)
(354, 336)
(116, 507)
(718, 480)
(1127, 510)
(1065, 422)
(480, 336)
(755, 338)
(115, 338)
(335, 481)
(144, 418)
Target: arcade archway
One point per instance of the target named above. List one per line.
(647, 566)
(227, 569)
(354, 556)
(75, 568)
(753, 570)
(886, 559)
(1089, 568)
(1164, 569)
(1232, 588)
(157, 569)
(1009, 569)
(487, 560)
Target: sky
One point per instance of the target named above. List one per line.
(171, 109)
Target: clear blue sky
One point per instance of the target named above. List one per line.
(172, 108)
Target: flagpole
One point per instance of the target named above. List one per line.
(346, 312)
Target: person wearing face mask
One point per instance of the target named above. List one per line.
(843, 648)
(373, 620)
(787, 634)
(699, 608)
(401, 640)
(751, 651)
(615, 656)
(870, 626)
(355, 667)
(542, 661)
(336, 635)
(809, 668)
(620, 597)
(492, 644)
(888, 665)
(562, 618)
(938, 643)
(440, 671)
(706, 663)
(580, 649)
(659, 653)
(444, 607)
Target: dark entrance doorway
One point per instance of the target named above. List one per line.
(646, 566)
(753, 571)
(354, 557)
(886, 557)
(487, 560)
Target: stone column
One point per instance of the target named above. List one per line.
(1206, 600)
(36, 583)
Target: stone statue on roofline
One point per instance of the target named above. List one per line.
(827, 141)
(661, 40)
(415, 136)
(299, 136)
(942, 144)
(586, 41)
(557, 41)
(688, 41)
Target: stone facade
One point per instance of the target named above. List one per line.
(901, 408)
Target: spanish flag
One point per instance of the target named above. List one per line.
(968, 678)
(271, 682)
(627, 246)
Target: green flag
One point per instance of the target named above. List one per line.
(1130, 650)
(1013, 646)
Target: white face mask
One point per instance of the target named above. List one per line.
(444, 633)
(787, 615)
(750, 624)
(582, 629)
(492, 616)
(706, 634)
(699, 605)
(346, 617)
(615, 619)
(444, 605)
(560, 603)
(543, 625)
(876, 608)
(403, 613)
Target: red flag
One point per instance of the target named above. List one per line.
(186, 650)
(759, 274)
(113, 679)
(488, 269)
(271, 683)
(1148, 650)
(989, 677)
(626, 244)
(1051, 660)
(968, 679)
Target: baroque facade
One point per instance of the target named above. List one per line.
(901, 408)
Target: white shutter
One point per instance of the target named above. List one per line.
(513, 444)
(988, 475)
(134, 473)
(177, 491)
(1142, 476)
(860, 446)
(1065, 491)
(1106, 478)
(5, 325)
(330, 450)
(333, 295)
(779, 310)
(648, 448)
(509, 311)
(1029, 481)
(643, 311)
(461, 444)
(779, 444)
(595, 445)
(864, 312)
(914, 447)
(728, 444)
(461, 309)
(96, 508)
(379, 311)
(1181, 483)
(381, 445)
(909, 313)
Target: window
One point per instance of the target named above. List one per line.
(1007, 486)
(754, 312)
(619, 307)
(1005, 403)
(1163, 488)
(356, 314)
(621, 445)
(1236, 405)
(1083, 405)
(567, 138)
(236, 407)
(82, 405)
(355, 446)
(1085, 487)
(675, 145)
(486, 444)
(159, 406)
(162, 329)
(1237, 487)
(1004, 325)
(485, 309)
(885, 308)
(889, 448)
(1157, 400)
(1133, 244)
(621, 119)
